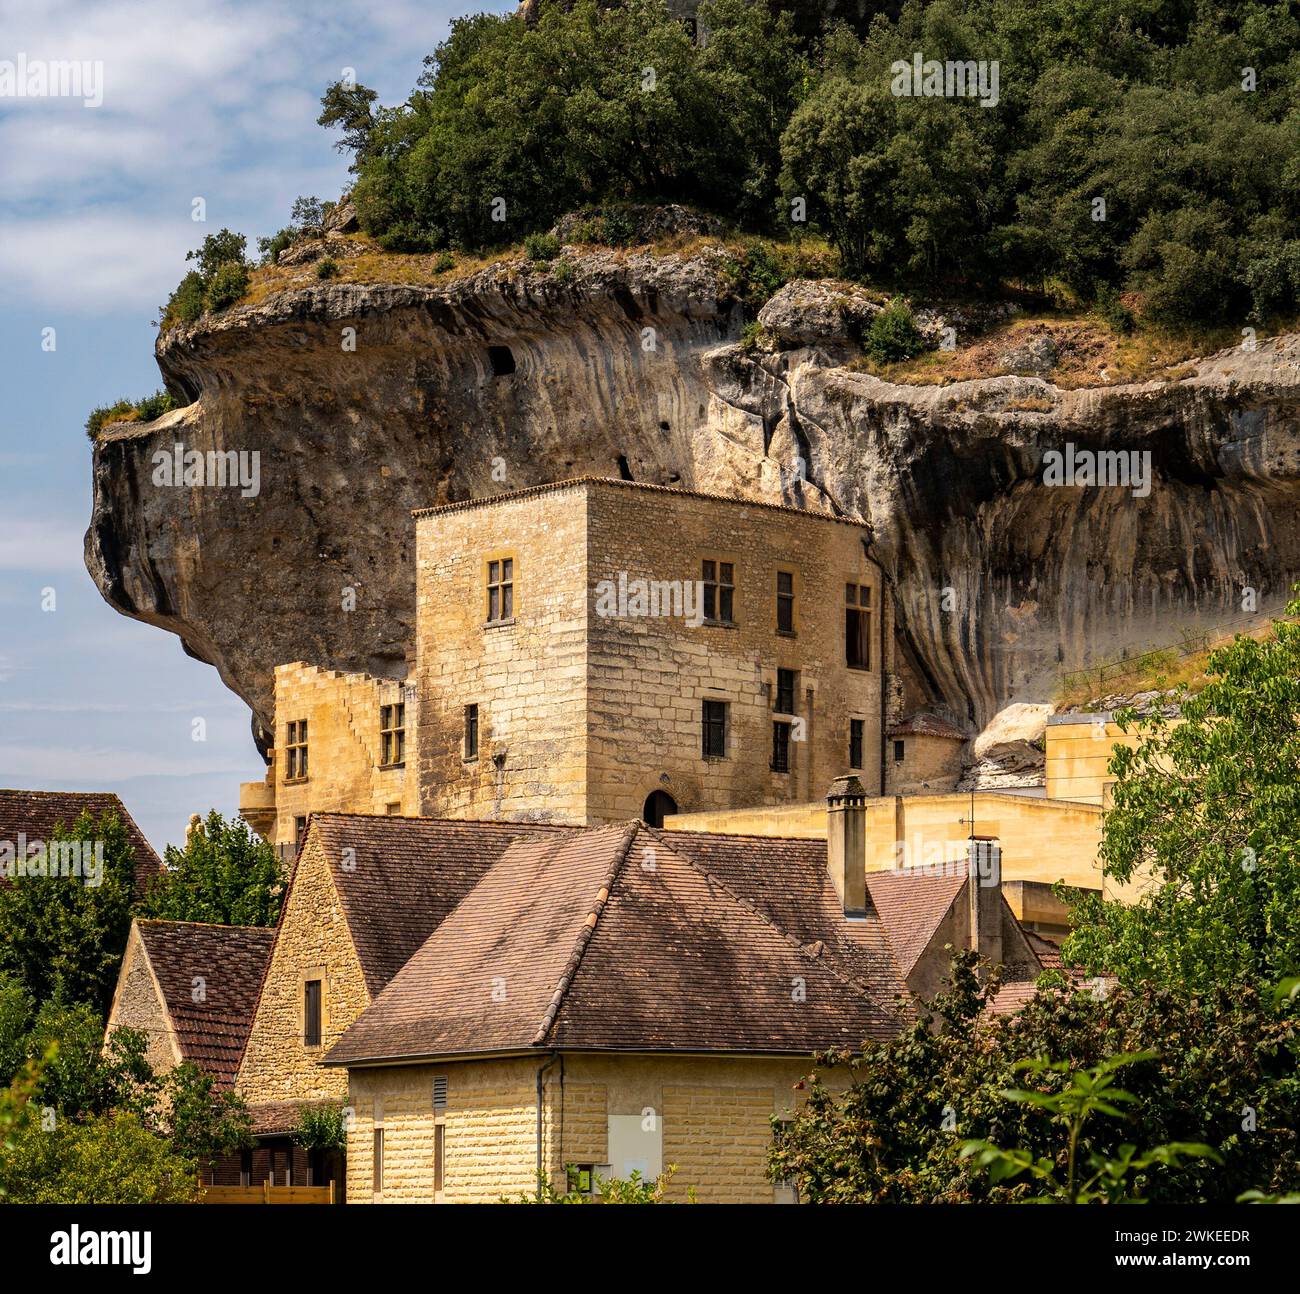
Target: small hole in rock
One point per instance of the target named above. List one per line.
(502, 360)
(624, 471)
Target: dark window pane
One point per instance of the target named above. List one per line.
(710, 571)
(784, 582)
(507, 601)
(780, 747)
(855, 743)
(508, 569)
(725, 594)
(311, 1013)
(710, 601)
(494, 603)
(494, 572)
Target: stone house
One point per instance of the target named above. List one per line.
(598, 650)
(363, 895)
(621, 998)
(192, 988)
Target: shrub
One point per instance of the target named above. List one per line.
(1117, 315)
(327, 268)
(893, 334)
(446, 261)
(541, 247)
(186, 303)
(321, 1127)
(228, 286)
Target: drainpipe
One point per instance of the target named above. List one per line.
(541, 1083)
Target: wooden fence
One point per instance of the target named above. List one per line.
(266, 1194)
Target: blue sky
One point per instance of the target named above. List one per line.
(214, 99)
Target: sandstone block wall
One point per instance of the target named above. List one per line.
(525, 676)
(714, 1119)
(344, 767)
(313, 943)
(650, 675)
(929, 764)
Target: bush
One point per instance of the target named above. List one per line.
(146, 410)
(541, 247)
(1117, 315)
(186, 303)
(893, 334)
(446, 261)
(327, 268)
(228, 286)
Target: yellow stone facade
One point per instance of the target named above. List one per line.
(709, 1116)
(313, 942)
(1079, 748)
(346, 771)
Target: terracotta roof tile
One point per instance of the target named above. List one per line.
(230, 960)
(404, 876)
(624, 938)
(35, 814)
(912, 906)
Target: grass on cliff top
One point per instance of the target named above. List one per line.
(1090, 352)
(1162, 670)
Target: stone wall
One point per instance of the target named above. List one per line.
(313, 942)
(582, 714)
(525, 676)
(929, 764)
(138, 1004)
(650, 675)
(344, 751)
(713, 1119)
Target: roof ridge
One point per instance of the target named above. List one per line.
(905, 970)
(845, 975)
(210, 925)
(584, 936)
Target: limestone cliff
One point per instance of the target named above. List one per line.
(367, 400)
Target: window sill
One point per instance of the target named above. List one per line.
(469, 759)
(295, 781)
(786, 633)
(719, 624)
(859, 669)
(498, 624)
(714, 759)
(384, 768)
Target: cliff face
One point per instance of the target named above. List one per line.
(509, 378)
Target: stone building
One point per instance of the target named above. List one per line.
(598, 650)
(618, 998)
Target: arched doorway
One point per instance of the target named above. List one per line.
(658, 806)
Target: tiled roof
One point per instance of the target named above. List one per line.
(399, 878)
(1046, 951)
(35, 814)
(229, 961)
(912, 905)
(625, 938)
(927, 725)
(279, 1118)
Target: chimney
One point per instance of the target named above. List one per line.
(846, 843)
(984, 899)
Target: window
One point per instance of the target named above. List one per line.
(311, 1013)
(898, 752)
(780, 747)
(719, 580)
(299, 829)
(377, 1162)
(785, 690)
(392, 734)
(784, 602)
(857, 727)
(857, 626)
(714, 718)
(393, 808)
(439, 1156)
(471, 732)
(295, 750)
(501, 590)
(246, 1167)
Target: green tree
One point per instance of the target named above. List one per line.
(202, 1121)
(62, 937)
(1206, 811)
(110, 1159)
(225, 875)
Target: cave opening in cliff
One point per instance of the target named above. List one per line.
(502, 359)
(624, 471)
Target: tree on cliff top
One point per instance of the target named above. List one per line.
(1209, 810)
